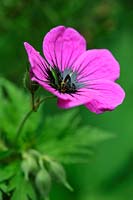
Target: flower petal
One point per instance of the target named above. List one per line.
(38, 64)
(37, 71)
(68, 103)
(52, 90)
(99, 97)
(97, 64)
(62, 46)
(79, 98)
(107, 95)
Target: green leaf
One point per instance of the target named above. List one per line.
(14, 104)
(66, 140)
(22, 189)
(3, 187)
(1, 198)
(69, 142)
(5, 154)
(7, 172)
(60, 123)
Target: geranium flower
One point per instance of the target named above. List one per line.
(75, 75)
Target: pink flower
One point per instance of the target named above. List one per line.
(75, 75)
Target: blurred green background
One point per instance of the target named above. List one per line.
(104, 24)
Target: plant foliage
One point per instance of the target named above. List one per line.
(42, 147)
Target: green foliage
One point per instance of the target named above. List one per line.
(69, 142)
(3, 188)
(65, 131)
(22, 189)
(7, 172)
(14, 104)
(41, 147)
(0, 195)
(58, 173)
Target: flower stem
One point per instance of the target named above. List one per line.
(35, 106)
(44, 99)
(32, 100)
(22, 124)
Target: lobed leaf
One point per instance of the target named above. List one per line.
(3, 187)
(22, 189)
(14, 104)
(1, 198)
(7, 172)
(68, 141)
(60, 136)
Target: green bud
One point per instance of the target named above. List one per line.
(3, 146)
(28, 83)
(28, 165)
(34, 86)
(36, 154)
(43, 182)
(58, 173)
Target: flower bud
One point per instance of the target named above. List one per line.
(58, 173)
(36, 154)
(43, 182)
(29, 165)
(28, 83)
(3, 146)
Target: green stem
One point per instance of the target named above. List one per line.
(32, 100)
(44, 99)
(35, 106)
(22, 124)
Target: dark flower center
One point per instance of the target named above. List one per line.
(64, 82)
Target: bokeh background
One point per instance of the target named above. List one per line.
(104, 24)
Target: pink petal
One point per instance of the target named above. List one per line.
(68, 103)
(79, 98)
(38, 64)
(107, 95)
(52, 90)
(62, 46)
(99, 97)
(97, 64)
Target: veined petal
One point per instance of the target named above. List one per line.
(97, 64)
(99, 97)
(62, 46)
(81, 97)
(38, 64)
(107, 95)
(52, 90)
(39, 74)
(80, 76)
